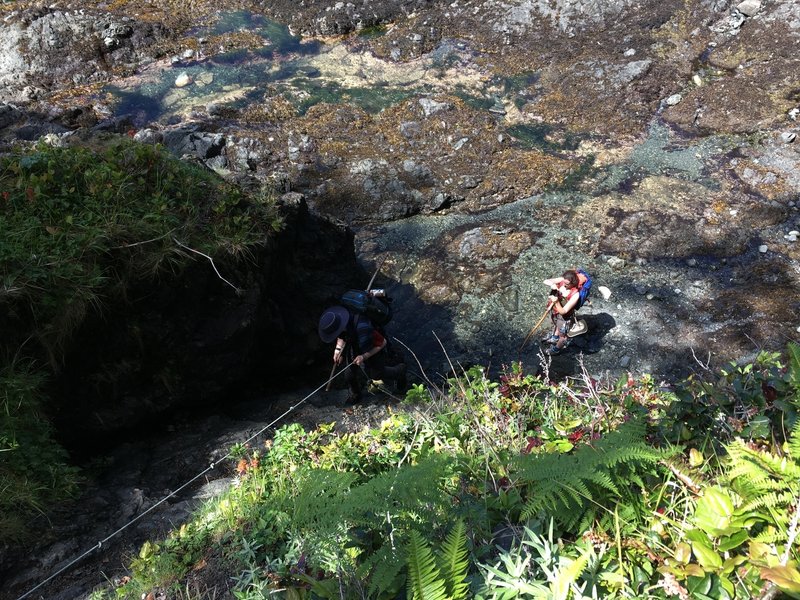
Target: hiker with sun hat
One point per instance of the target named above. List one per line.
(360, 345)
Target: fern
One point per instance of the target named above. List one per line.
(566, 577)
(454, 562)
(384, 571)
(793, 446)
(574, 487)
(424, 579)
(343, 521)
(768, 484)
(794, 368)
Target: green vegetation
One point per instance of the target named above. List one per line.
(80, 225)
(517, 488)
(33, 469)
(373, 31)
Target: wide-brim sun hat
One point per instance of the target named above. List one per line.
(332, 323)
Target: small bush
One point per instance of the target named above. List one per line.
(33, 467)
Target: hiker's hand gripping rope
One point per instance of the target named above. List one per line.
(362, 358)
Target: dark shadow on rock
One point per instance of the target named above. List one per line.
(412, 333)
(193, 341)
(598, 325)
(567, 363)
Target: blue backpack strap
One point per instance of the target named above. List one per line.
(584, 290)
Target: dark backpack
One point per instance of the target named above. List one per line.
(584, 287)
(377, 309)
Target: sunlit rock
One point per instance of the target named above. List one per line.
(183, 80)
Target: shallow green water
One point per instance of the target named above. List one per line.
(284, 65)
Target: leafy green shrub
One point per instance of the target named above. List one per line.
(79, 226)
(81, 222)
(33, 468)
(745, 534)
(372, 513)
(753, 400)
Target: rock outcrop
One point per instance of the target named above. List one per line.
(194, 340)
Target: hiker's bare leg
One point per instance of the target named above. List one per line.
(562, 327)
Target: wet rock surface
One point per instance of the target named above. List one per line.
(477, 147)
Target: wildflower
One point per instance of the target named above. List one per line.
(533, 442)
(576, 435)
(241, 467)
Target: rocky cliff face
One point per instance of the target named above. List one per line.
(476, 146)
(190, 339)
(479, 147)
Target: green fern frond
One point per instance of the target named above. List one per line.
(755, 472)
(768, 486)
(794, 440)
(768, 501)
(769, 536)
(384, 569)
(454, 562)
(794, 368)
(604, 481)
(424, 580)
(573, 487)
(567, 576)
(320, 492)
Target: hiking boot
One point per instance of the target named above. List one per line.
(553, 350)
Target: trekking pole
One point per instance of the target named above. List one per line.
(380, 264)
(333, 368)
(535, 327)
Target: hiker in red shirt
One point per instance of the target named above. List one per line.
(361, 344)
(564, 297)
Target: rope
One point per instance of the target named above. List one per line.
(210, 467)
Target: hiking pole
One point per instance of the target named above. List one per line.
(535, 327)
(380, 264)
(333, 368)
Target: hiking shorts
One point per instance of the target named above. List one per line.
(562, 324)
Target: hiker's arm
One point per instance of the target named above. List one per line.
(362, 358)
(562, 310)
(553, 282)
(338, 351)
